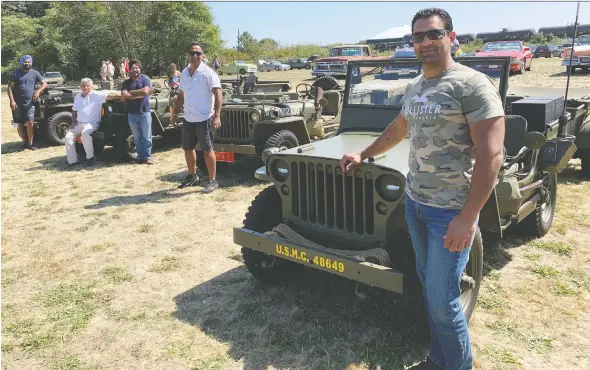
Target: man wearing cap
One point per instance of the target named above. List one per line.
(22, 95)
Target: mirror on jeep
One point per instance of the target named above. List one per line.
(534, 140)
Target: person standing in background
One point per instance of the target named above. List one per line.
(22, 96)
(135, 92)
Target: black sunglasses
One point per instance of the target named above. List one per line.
(435, 34)
(192, 52)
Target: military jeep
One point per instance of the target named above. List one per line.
(114, 129)
(252, 122)
(352, 224)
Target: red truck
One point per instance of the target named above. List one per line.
(335, 64)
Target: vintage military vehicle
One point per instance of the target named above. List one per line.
(352, 224)
(252, 122)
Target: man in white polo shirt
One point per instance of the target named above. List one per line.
(200, 92)
(85, 119)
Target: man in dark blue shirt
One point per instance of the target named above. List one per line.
(135, 92)
(22, 96)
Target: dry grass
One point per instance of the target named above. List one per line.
(114, 268)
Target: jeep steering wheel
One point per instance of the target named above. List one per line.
(309, 91)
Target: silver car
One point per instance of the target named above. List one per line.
(273, 65)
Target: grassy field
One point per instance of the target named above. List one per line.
(115, 268)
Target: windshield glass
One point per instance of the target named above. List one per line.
(52, 74)
(338, 52)
(501, 46)
(384, 83)
(584, 41)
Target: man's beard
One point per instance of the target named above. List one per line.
(26, 68)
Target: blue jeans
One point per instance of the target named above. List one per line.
(141, 128)
(440, 272)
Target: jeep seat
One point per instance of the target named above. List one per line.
(333, 98)
(516, 128)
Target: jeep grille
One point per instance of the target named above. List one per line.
(234, 125)
(321, 195)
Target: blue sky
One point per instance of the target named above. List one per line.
(329, 22)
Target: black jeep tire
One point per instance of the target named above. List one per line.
(282, 139)
(58, 126)
(125, 144)
(264, 213)
(538, 223)
(586, 164)
(220, 167)
(98, 145)
(474, 270)
(326, 83)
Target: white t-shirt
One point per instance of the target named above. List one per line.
(88, 108)
(199, 103)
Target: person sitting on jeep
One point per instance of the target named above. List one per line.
(173, 82)
(86, 113)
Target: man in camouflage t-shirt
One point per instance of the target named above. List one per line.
(450, 112)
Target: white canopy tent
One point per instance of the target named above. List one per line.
(391, 35)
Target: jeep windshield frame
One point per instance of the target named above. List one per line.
(376, 116)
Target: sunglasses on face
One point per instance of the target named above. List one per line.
(193, 53)
(433, 35)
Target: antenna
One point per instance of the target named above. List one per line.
(237, 66)
(563, 118)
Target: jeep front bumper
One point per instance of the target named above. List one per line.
(231, 148)
(576, 62)
(324, 260)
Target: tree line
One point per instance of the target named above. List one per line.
(74, 37)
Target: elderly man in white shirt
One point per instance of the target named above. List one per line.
(86, 115)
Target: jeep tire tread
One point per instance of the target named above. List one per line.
(57, 125)
(538, 223)
(284, 138)
(326, 83)
(264, 213)
(475, 270)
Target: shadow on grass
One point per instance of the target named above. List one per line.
(312, 322)
(240, 173)
(107, 158)
(161, 196)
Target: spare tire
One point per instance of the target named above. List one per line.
(58, 126)
(326, 83)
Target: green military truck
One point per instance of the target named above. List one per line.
(254, 121)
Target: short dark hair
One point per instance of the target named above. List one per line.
(434, 12)
(135, 61)
(194, 43)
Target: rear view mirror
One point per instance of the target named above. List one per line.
(323, 102)
(534, 140)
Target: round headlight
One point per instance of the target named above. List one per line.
(254, 116)
(389, 187)
(110, 109)
(279, 170)
(267, 152)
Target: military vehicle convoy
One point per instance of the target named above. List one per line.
(252, 122)
(352, 224)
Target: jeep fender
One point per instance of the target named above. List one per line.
(264, 130)
(583, 135)
(157, 127)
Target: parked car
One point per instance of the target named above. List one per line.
(54, 78)
(300, 63)
(520, 55)
(401, 54)
(542, 51)
(555, 50)
(274, 65)
(238, 66)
